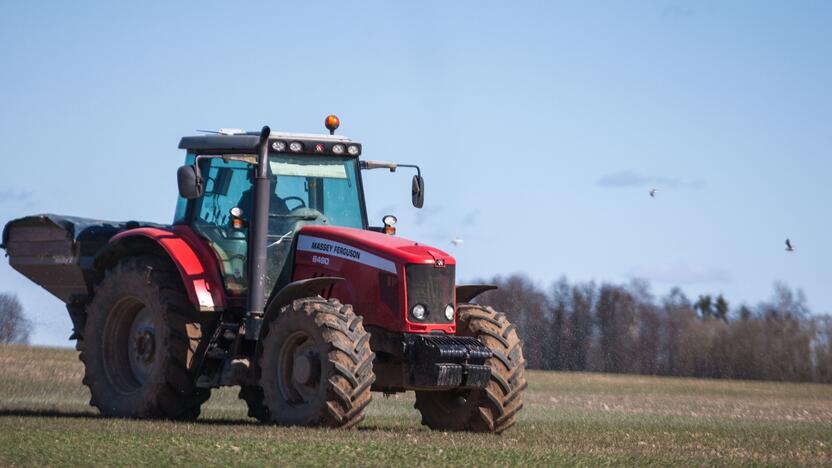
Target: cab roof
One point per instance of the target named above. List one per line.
(247, 142)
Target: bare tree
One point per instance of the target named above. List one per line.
(721, 308)
(14, 328)
(823, 349)
(559, 331)
(579, 345)
(615, 317)
(705, 306)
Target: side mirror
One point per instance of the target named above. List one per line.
(190, 182)
(417, 191)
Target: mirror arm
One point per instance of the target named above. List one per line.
(418, 171)
(367, 164)
(196, 165)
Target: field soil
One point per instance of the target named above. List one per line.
(569, 419)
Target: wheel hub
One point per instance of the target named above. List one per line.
(141, 346)
(304, 368)
(145, 343)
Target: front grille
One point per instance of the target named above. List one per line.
(433, 288)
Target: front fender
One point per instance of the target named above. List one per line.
(196, 262)
(300, 289)
(467, 292)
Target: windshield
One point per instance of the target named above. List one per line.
(321, 190)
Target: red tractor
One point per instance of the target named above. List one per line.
(270, 278)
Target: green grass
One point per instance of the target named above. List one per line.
(569, 419)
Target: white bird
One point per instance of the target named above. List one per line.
(789, 247)
(653, 193)
(456, 241)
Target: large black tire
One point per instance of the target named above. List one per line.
(314, 366)
(140, 342)
(493, 408)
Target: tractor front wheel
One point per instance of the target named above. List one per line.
(315, 367)
(490, 409)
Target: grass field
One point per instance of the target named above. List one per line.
(569, 419)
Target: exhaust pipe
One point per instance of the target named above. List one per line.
(257, 239)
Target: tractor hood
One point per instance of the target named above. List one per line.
(394, 249)
(384, 276)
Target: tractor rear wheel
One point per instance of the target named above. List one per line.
(490, 409)
(315, 367)
(140, 340)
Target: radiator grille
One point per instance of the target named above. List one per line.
(433, 288)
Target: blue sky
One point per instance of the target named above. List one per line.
(539, 126)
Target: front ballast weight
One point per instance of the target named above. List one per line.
(441, 362)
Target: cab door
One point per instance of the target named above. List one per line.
(229, 189)
(227, 186)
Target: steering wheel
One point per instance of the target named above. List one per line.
(298, 199)
(312, 216)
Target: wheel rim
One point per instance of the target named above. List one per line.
(130, 345)
(299, 371)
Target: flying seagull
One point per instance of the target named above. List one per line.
(456, 241)
(789, 247)
(653, 193)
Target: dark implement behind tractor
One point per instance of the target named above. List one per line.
(270, 278)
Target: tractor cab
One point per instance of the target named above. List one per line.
(313, 180)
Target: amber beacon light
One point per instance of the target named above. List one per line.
(332, 122)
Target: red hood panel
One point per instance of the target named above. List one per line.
(392, 248)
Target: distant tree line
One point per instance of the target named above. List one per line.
(624, 329)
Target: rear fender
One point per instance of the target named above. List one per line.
(195, 261)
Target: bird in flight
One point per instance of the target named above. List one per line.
(653, 193)
(789, 247)
(456, 241)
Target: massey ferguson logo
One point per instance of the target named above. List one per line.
(439, 263)
(337, 249)
(318, 246)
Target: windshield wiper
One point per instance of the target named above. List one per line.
(284, 236)
(301, 217)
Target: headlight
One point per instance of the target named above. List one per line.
(352, 150)
(418, 311)
(296, 146)
(338, 149)
(449, 312)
